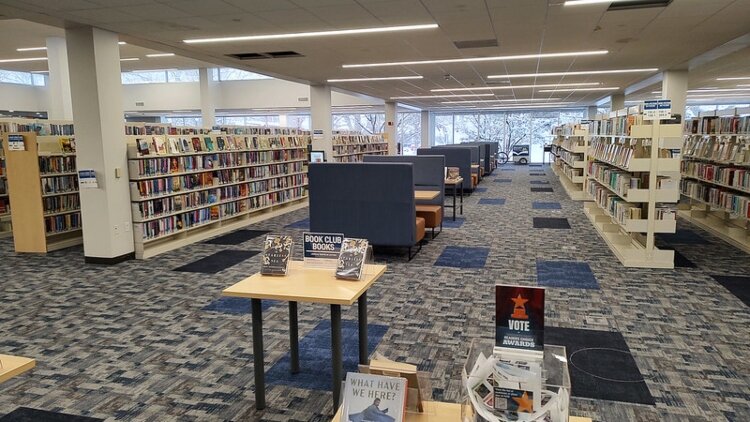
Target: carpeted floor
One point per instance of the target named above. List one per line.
(139, 341)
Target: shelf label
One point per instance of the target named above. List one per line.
(322, 249)
(87, 179)
(657, 109)
(16, 143)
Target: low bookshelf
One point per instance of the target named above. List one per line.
(186, 188)
(43, 187)
(570, 149)
(351, 147)
(6, 228)
(632, 179)
(715, 170)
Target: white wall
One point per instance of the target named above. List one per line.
(167, 97)
(23, 97)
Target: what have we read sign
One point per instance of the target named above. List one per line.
(519, 317)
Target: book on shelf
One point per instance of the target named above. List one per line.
(374, 398)
(67, 145)
(351, 259)
(277, 251)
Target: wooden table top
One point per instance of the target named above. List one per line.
(475, 166)
(426, 194)
(454, 181)
(13, 366)
(434, 411)
(301, 284)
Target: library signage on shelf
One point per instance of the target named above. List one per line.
(657, 109)
(87, 179)
(16, 143)
(321, 250)
(519, 317)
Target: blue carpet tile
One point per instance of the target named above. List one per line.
(480, 190)
(448, 223)
(565, 274)
(235, 305)
(542, 190)
(217, 262)
(537, 174)
(680, 261)
(236, 237)
(738, 286)
(551, 223)
(503, 180)
(27, 414)
(682, 237)
(492, 201)
(600, 364)
(462, 257)
(539, 182)
(538, 205)
(303, 224)
(315, 355)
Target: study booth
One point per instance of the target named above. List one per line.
(459, 157)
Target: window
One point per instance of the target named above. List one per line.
(144, 77)
(255, 120)
(190, 75)
(367, 123)
(192, 121)
(229, 74)
(38, 79)
(13, 77)
(443, 129)
(300, 121)
(408, 132)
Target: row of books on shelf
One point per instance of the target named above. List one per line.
(57, 164)
(59, 184)
(619, 125)
(171, 184)
(572, 172)
(738, 178)
(40, 127)
(200, 163)
(4, 205)
(622, 211)
(568, 157)
(738, 205)
(261, 130)
(61, 203)
(158, 145)
(339, 140)
(711, 125)
(360, 149)
(618, 180)
(195, 199)
(570, 144)
(173, 224)
(62, 223)
(617, 153)
(722, 149)
(569, 129)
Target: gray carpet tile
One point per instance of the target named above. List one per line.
(132, 341)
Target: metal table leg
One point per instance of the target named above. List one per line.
(462, 199)
(455, 187)
(294, 337)
(362, 310)
(336, 358)
(260, 381)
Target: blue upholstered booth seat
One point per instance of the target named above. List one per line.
(429, 172)
(373, 201)
(454, 157)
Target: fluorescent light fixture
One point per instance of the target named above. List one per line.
(736, 94)
(581, 89)
(516, 107)
(499, 101)
(129, 59)
(160, 55)
(575, 73)
(698, 91)
(313, 34)
(121, 43)
(739, 78)
(743, 85)
(427, 97)
(39, 71)
(385, 78)
(585, 2)
(481, 59)
(29, 59)
(493, 88)
(31, 49)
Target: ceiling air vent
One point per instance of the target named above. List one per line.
(475, 43)
(267, 55)
(638, 4)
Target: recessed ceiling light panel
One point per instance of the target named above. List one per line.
(481, 59)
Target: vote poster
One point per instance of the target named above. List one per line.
(519, 317)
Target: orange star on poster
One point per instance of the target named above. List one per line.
(524, 404)
(519, 308)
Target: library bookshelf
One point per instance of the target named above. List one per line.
(715, 171)
(6, 228)
(570, 149)
(186, 188)
(351, 147)
(632, 179)
(51, 218)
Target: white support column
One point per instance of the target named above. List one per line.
(60, 106)
(618, 102)
(208, 87)
(94, 58)
(674, 86)
(424, 128)
(321, 119)
(591, 112)
(390, 128)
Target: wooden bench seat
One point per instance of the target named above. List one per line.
(433, 216)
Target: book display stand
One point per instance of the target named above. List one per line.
(633, 174)
(570, 149)
(350, 147)
(716, 175)
(51, 219)
(186, 188)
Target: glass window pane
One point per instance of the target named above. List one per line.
(38, 79)
(368, 124)
(443, 129)
(301, 121)
(408, 132)
(229, 74)
(189, 75)
(13, 77)
(144, 77)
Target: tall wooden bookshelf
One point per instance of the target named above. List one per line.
(6, 228)
(186, 188)
(633, 174)
(570, 149)
(43, 186)
(716, 175)
(351, 147)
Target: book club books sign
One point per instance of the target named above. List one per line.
(321, 250)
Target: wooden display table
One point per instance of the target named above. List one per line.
(11, 366)
(310, 285)
(426, 195)
(434, 411)
(457, 183)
